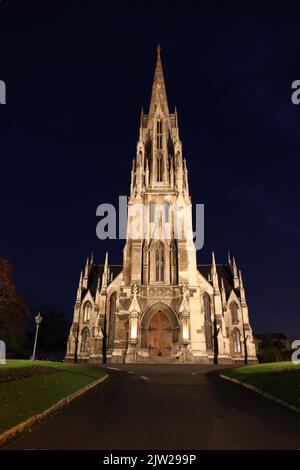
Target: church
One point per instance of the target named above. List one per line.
(160, 306)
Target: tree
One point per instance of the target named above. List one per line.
(272, 349)
(13, 310)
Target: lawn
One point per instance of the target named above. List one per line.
(281, 379)
(22, 398)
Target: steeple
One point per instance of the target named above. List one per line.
(159, 94)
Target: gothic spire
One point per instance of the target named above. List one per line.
(106, 262)
(214, 274)
(105, 272)
(141, 124)
(159, 94)
(240, 280)
(235, 274)
(242, 290)
(86, 269)
(223, 293)
(86, 274)
(79, 290)
(98, 291)
(214, 266)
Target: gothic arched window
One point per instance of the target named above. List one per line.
(159, 134)
(85, 339)
(236, 341)
(159, 263)
(159, 168)
(207, 321)
(234, 313)
(87, 308)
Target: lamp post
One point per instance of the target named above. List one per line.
(38, 320)
(75, 331)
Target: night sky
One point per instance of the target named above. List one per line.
(77, 74)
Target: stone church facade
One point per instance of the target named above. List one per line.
(159, 305)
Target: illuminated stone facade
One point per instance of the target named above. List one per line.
(160, 306)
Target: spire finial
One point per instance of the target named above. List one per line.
(159, 94)
(158, 48)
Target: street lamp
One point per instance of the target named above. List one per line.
(38, 320)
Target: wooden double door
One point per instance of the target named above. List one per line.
(160, 335)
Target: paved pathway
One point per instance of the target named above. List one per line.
(156, 406)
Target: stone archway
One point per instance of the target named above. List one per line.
(160, 331)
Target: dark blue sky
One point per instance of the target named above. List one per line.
(77, 74)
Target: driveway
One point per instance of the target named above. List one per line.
(158, 406)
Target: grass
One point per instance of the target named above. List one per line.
(281, 379)
(23, 398)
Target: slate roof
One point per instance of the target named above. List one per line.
(96, 271)
(223, 271)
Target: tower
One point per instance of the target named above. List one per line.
(159, 246)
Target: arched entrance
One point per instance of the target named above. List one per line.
(160, 331)
(159, 335)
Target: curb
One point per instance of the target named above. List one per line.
(26, 426)
(261, 392)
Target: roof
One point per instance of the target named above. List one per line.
(96, 272)
(223, 271)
